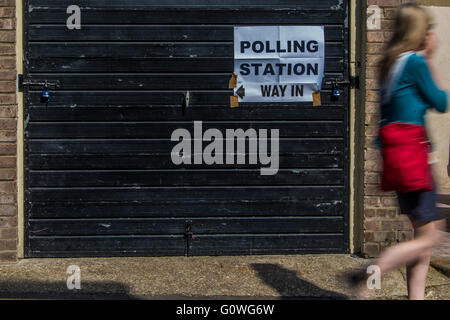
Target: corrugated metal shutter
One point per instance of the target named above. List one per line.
(99, 179)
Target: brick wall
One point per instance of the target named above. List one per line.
(383, 225)
(8, 132)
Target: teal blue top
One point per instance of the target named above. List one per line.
(414, 92)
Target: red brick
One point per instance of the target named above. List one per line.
(373, 153)
(373, 166)
(9, 233)
(373, 60)
(371, 201)
(388, 35)
(372, 108)
(7, 74)
(369, 213)
(8, 124)
(8, 63)
(404, 217)
(8, 199)
(386, 213)
(372, 225)
(372, 96)
(7, 162)
(7, 36)
(375, 190)
(375, 48)
(373, 178)
(384, 3)
(7, 50)
(7, 187)
(7, 24)
(8, 98)
(387, 24)
(372, 119)
(372, 84)
(380, 236)
(8, 256)
(395, 225)
(10, 244)
(390, 13)
(371, 249)
(368, 236)
(7, 12)
(372, 73)
(386, 245)
(8, 86)
(8, 149)
(7, 174)
(8, 136)
(8, 210)
(372, 131)
(8, 222)
(375, 36)
(8, 111)
(405, 235)
(7, 3)
(389, 201)
(369, 142)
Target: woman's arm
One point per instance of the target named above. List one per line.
(440, 83)
(431, 46)
(426, 84)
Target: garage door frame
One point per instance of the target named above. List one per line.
(28, 253)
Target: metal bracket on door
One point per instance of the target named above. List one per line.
(353, 82)
(188, 235)
(36, 84)
(186, 100)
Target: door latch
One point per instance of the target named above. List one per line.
(185, 101)
(33, 84)
(352, 82)
(188, 236)
(337, 84)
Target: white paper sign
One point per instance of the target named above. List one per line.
(278, 63)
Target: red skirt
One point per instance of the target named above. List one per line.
(404, 148)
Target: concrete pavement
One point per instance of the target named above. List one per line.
(226, 277)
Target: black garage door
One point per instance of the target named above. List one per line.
(99, 180)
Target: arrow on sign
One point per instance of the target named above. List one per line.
(241, 92)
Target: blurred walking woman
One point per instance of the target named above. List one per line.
(410, 84)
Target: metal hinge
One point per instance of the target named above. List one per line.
(188, 235)
(36, 84)
(185, 102)
(20, 82)
(354, 82)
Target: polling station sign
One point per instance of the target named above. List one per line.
(278, 63)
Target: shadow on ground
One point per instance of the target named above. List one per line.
(57, 290)
(290, 286)
(287, 284)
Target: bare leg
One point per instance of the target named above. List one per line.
(416, 272)
(415, 254)
(416, 275)
(408, 252)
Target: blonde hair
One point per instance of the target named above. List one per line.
(412, 24)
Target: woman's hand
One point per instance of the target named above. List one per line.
(431, 44)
